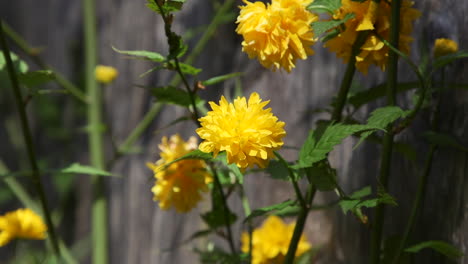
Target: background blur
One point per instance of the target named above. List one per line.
(142, 233)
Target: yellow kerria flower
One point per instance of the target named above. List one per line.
(105, 74)
(443, 46)
(22, 223)
(271, 241)
(248, 133)
(181, 183)
(277, 34)
(371, 16)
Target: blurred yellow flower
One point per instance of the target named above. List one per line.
(248, 133)
(22, 223)
(181, 183)
(443, 46)
(271, 241)
(105, 74)
(376, 17)
(277, 34)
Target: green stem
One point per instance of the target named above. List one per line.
(95, 140)
(34, 54)
(219, 186)
(348, 77)
(36, 178)
(392, 78)
(293, 180)
(247, 212)
(299, 227)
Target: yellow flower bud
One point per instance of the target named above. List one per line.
(443, 46)
(105, 74)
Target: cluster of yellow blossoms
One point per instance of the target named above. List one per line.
(248, 133)
(277, 34)
(179, 184)
(271, 241)
(370, 15)
(22, 223)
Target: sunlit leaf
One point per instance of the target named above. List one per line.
(442, 247)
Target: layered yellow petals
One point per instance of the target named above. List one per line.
(22, 223)
(271, 241)
(277, 34)
(180, 184)
(373, 16)
(105, 74)
(248, 133)
(443, 46)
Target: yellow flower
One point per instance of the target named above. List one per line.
(270, 242)
(22, 223)
(181, 183)
(105, 74)
(376, 17)
(443, 46)
(248, 133)
(277, 34)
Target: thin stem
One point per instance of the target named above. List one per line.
(36, 178)
(247, 211)
(34, 54)
(95, 140)
(219, 186)
(293, 180)
(392, 78)
(348, 77)
(299, 227)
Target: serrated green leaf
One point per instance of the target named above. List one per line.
(169, 6)
(379, 91)
(172, 95)
(221, 78)
(442, 247)
(195, 154)
(189, 69)
(366, 191)
(444, 140)
(148, 55)
(269, 209)
(324, 6)
(216, 218)
(35, 78)
(322, 176)
(315, 150)
(84, 169)
(320, 27)
(381, 118)
(444, 60)
(278, 170)
(356, 201)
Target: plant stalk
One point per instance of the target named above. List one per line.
(36, 178)
(392, 78)
(95, 139)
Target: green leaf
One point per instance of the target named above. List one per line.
(269, 209)
(444, 140)
(195, 154)
(308, 256)
(444, 60)
(278, 170)
(324, 6)
(442, 247)
(35, 78)
(20, 66)
(172, 95)
(379, 91)
(169, 6)
(215, 255)
(320, 27)
(356, 201)
(148, 55)
(315, 150)
(189, 69)
(381, 118)
(221, 78)
(216, 218)
(83, 169)
(323, 176)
